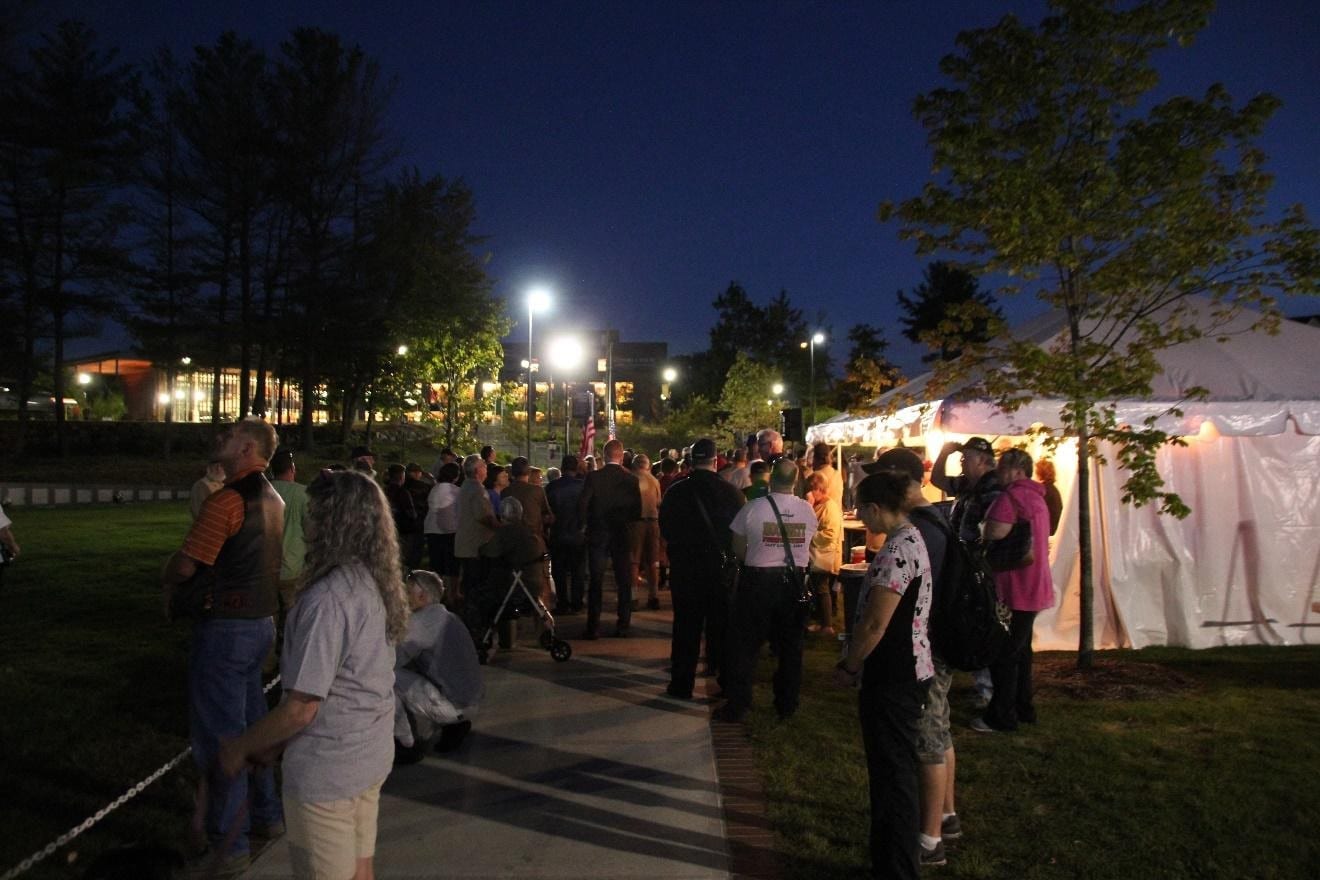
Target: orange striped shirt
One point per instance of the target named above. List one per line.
(219, 520)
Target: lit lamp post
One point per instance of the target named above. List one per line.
(538, 300)
(817, 338)
(565, 358)
(666, 395)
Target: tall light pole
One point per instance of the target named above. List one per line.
(566, 356)
(817, 338)
(538, 300)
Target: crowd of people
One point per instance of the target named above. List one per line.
(376, 666)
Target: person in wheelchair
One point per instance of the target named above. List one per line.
(437, 680)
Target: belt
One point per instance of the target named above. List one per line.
(772, 569)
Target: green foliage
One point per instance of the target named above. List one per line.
(867, 373)
(1144, 229)
(69, 122)
(747, 397)
(771, 334)
(947, 311)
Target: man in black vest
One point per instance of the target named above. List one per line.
(697, 543)
(237, 538)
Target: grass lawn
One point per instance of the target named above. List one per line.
(1168, 763)
(1172, 764)
(91, 682)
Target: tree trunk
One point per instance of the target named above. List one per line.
(1086, 635)
(245, 316)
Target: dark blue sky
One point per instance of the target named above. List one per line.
(636, 157)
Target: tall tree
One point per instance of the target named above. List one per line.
(166, 320)
(69, 141)
(747, 397)
(223, 118)
(771, 334)
(1051, 169)
(947, 311)
(868, 373)
(435, 296)
(330, 141)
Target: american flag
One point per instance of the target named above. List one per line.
(588, 438)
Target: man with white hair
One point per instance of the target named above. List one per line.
(769, 445)
(437, 679)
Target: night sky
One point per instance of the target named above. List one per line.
(636, 157)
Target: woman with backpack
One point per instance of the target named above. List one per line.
(889, 656)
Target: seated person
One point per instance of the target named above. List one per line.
(437, 680)
(513, 546)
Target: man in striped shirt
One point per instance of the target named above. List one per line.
(237, 536)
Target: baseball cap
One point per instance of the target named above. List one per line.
(902, 460)
(704, 450)
(978, 444)
(361, 452)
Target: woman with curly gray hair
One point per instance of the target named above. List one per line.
(335, 725)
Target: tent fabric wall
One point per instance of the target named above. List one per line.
(1244, 568)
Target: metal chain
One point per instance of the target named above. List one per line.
(64, 839)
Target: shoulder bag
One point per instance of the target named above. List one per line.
(728, 562)
(792, 575)
(1016, 549)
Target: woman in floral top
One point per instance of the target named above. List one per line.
(889, 657)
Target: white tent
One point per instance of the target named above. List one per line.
(1244, 568)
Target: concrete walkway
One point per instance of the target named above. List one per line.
(582, 769)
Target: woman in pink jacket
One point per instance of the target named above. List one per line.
(1025, 590)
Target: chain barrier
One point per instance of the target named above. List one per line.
(67, 837)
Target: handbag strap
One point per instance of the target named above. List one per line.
(783, 534)
(710, 527)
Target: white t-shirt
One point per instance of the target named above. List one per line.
(756, 522)
(5, 521)
(441, 510)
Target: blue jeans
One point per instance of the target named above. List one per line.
(224, 699)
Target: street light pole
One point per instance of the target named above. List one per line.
(531, 406)
(537, 299)
(816, 338)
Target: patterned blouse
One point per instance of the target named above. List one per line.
(901, 561)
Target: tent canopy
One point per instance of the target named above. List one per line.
(1256, 381)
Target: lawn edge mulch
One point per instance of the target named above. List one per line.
(747, 827)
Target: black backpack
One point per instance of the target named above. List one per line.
(968, 622)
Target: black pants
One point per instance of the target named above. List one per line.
(603, 547)
(701, 601)
(441, 550)
(764, 607)
(889, 715)
(568, 563)
(1012, 700)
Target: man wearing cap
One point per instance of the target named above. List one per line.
(611, 500)
(695, 516)
(975, 491)
(767, 601)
